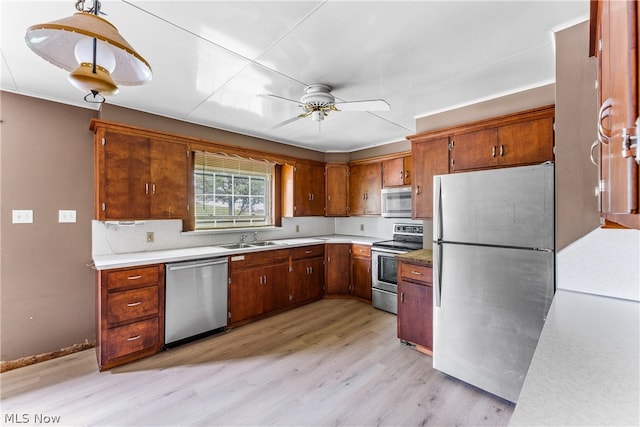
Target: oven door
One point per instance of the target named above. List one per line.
(384, 269)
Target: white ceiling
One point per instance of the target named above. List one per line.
(211, 59)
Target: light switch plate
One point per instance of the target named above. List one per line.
(22, 216)
(66, 216)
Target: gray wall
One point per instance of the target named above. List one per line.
(576, 113)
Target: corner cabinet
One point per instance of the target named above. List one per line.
(139, 176)
(130, 314)
(614, 40)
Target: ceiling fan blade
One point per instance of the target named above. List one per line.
(286, 122)
(268, 95)
(370, 105)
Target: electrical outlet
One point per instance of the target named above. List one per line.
(22, 216)
(361, 227)
(297, 228)
(67, 216)
(150, 236)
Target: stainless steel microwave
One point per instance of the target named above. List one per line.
(396, 202)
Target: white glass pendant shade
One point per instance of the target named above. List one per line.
(104, 54)
(58, 41)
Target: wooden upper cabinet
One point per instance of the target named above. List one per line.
(396, 172)
(517, 142)
(616, 31)
(139, 177)
(365, 185)
(474, 150)
(304, 189)
(430, 157)
(337, 189)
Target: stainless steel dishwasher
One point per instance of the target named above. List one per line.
(195, 299)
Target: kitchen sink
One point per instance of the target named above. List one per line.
(264, 243)
(234, 245)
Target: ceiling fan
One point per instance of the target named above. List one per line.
(317, 101)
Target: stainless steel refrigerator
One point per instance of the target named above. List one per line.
(493, 262)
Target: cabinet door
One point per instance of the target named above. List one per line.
(275, 287)
(529, 142)
(429, 158)
(474, 150)
(309, 189)
(393, 172)
(617, 61)
(337, 189)
(337, 263)
(245, 293)
(415, 313)
(124, 168)
(361, 277)
(169, 170)
(308, 280)
(365, 184)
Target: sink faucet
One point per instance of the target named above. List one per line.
(255, 236)
(243, 238)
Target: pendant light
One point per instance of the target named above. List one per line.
(92, 50)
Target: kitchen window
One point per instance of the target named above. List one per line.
(232, 192)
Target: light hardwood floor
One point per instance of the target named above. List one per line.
(331, 363)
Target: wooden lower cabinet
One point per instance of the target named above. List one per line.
(259, 284)
(361, 272)
(337, 264)
(130, 314)
(415, 304)
(307, 281)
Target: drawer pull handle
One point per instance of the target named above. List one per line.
(417, 273)
(308, 252)
(137, 337)
(134, 277)
(133, 304)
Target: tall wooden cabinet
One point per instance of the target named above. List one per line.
(615, 28)
(138, 175)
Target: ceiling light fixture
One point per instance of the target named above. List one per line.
(92, 50)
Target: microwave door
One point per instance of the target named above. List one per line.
(396, 202)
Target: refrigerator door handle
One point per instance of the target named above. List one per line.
(437, 208)
(437, 274)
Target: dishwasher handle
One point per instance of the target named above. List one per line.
(176, 267)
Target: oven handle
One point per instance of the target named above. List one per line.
(386, 251)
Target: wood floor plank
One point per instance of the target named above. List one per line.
(334, 362)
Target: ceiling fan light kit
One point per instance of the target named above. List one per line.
(91, 49)
(317, 101)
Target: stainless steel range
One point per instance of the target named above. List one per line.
(384, 266)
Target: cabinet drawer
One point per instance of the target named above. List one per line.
(361, 250)
(132, 304)
(252, 259)
(308, 252)
(129, 339)
(415, 273)
(133, 277)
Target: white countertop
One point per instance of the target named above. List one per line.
(586, 369)
(132, 259)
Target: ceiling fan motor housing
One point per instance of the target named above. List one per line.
(317, 96)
